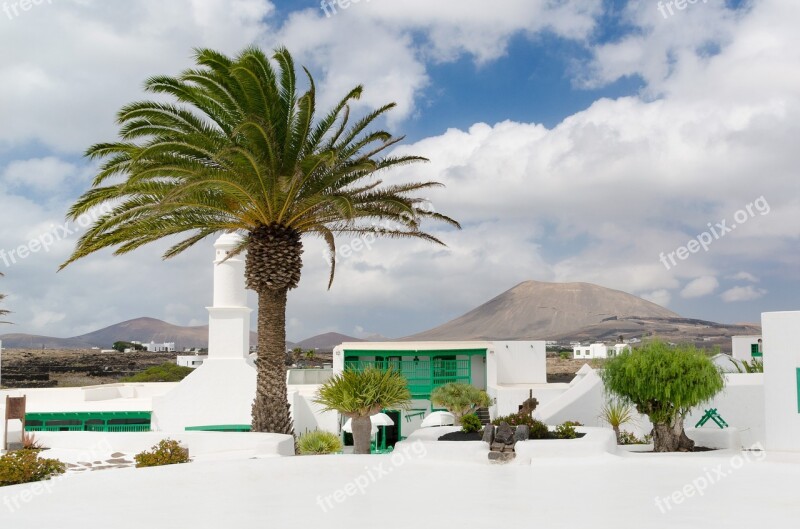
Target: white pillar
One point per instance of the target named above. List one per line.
(781, 380)
(229, 317)
(222, 389)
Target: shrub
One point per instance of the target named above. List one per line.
(629, 438)
(318, 442)
(167, 372)
(460, 399)
(166, 452)
(538, 429)
(470, 423)
(664, 383)
(565, 431)
(564, 355)
(25, 466)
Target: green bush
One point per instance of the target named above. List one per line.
(166, 452)
(629, 438)
(538, 429)
(566, 430)
(318, 442)
(25, 466)
(470, 423)
(167, 372)
(565, 355)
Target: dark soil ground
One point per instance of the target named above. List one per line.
(461, 436)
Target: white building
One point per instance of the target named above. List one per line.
(781, 380)
(193, 361)
(153, 347)
(597, 350)
(747, 347)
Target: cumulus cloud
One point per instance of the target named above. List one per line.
(744, 276)
(702, 286)
(595, 198)
(747, 293)
(659, 297)
(39, 174)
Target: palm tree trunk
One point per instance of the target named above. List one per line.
(362, 434)
(271, 406)
(617, 434)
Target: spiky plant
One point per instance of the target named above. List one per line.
(318, 442)
(358, 395)
(460, 399)
(230, 146)
(743, 366)
(617, 412)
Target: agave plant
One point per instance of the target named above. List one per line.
(358, 395)
(616, 413)
(460, 399)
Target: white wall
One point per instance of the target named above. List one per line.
(781, 361)
(518, 363)
(740, 346)
(740, 404)
(221, 391)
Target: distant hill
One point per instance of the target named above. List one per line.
(140, 329)
(537, 311)
(326, 342)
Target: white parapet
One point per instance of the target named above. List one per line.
(781, 380)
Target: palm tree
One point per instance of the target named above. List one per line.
(239, 151)
(358, 395)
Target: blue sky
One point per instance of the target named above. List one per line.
(578, 141)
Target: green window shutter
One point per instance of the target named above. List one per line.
(798, 390)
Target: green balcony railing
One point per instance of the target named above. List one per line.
(113, 421)
(422, 375)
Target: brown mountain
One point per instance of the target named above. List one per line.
(326, 342)
(535, 310)
(140, 329)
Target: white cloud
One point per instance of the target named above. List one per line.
(702, 286)
(40, 174)
(747, 293)
(744, 276)
(659, 297)
(595, 198)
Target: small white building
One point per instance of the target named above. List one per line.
(166, 347)
(597, 350)
(746, 347)
(193, 361)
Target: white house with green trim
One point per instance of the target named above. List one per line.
(508, 371)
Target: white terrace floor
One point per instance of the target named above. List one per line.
(417, 492)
